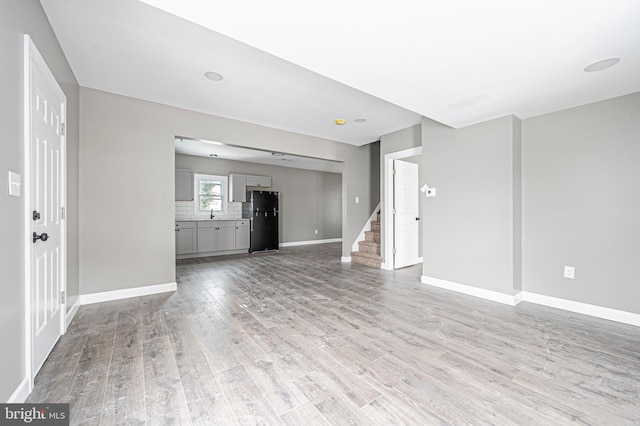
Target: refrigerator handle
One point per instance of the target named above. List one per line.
(251, 230)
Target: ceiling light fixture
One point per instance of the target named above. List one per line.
(602, 64)
(360, 120)
(340, 121)
(213, 76)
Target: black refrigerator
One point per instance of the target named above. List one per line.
(262, 208)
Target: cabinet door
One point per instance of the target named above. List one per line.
(184, 185)
(207, 240)
(226, 238)
(242, 237)
(259, 181)
(264, 181)
(185, 241)
(238, 187)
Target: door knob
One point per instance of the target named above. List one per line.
(417, 218)
(43, 237)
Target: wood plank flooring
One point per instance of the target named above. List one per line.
(297, 337)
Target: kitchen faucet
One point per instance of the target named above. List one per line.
(212, 215)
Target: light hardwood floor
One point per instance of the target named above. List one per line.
(298, 338)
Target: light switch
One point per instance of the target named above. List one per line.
(357, 200)
(14, 184)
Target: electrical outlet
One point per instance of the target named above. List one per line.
(569, 272)
(316, 232)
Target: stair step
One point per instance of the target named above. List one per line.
(372, 236)
(366, 259)
(369, 247)
(375, 226)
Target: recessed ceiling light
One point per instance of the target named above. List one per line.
(602, 64)
(360, 120)
(214, 76)
(340, 121)
(277, 154)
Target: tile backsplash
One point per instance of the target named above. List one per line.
(184, 211)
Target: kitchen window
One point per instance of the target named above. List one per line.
(210, 194)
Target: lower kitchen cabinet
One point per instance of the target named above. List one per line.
(207, 239)
(217, 235)
(242, 234)
(211, 237)
(186, 238)
(227, 237)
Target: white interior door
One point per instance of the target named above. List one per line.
(406, 217)
(46, 109)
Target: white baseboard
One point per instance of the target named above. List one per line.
(21, 393)
(306, 243)
(539, 299)
(345, 259)
(482, 293)
(583, 308)
(73, 311)
(386, 267)
(105, 296)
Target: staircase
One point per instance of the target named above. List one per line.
(368, 253)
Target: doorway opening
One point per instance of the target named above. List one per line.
(399, 232)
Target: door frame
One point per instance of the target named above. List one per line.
(387, 217)
(31, 53)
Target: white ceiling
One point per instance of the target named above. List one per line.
(298, 65)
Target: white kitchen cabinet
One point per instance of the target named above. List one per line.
(258, 181)
(227, 235)
(211, 237)
(184, 185)
(237, 187)
(207, 239)
(216, 235)
(186, 238)
(242, 234)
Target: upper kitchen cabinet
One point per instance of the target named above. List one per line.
(238, 187)
(259, 181)
(184, 185)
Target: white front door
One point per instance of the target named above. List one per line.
(406, 217)
(46, 109)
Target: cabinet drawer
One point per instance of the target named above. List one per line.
(227, 224)
(208, 224)
(185, 225)
(240, 223)
(217, 224)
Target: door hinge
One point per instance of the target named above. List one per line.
(62, 129)
(394, 251)
(63, 297)
(62, 213)
(393, 211)
(394, 172)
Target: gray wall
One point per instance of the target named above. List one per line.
(127, 183)
(581, 203)
(309, 199)
(469, 227)
(18, 17)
